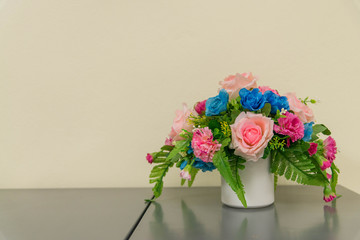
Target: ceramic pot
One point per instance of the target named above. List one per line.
(258, 184)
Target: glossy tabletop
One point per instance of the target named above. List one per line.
(76, 214)
(298, 213)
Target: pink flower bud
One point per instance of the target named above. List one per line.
(200, 107)
(149, 158)
(185, 175)
(312, 149)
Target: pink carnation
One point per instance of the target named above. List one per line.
(200, 107)
(312, 149)
(203, 144)
(329, 176)
(330, 149)
(263, 89)
(291, 126)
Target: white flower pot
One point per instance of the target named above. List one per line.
(258, 184)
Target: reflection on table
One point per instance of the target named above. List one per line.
(296, 214)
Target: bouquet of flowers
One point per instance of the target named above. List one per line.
(247, 122)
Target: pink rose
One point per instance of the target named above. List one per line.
(300, 109)
(233, 83)
(263, 89)
(200, 107)
(250, 135)
(181, 122)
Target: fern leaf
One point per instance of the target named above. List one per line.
(296, 168)
(156, 176)
(193, 173)
(222, 164)
(276, 178)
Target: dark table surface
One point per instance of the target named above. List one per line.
(180, 213)
(298, 213)
(70, 214)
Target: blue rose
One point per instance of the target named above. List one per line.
(216, 105)
(277, 102)
(252, 100)
(308, 131)
(203, 166)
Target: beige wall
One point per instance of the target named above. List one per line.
(88, 87)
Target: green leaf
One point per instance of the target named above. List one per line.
(296, 166)
(193, 173)
(213, 124)
(334, 178)
(221, 163)
(319, 128)
(266, 109)
(234, 114)
(266, 152)
(180, 146)
(276, 178)
(183, 181)
(167, 148)
(225, 142)
(156, 176)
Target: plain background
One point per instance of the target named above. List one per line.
(87, 87)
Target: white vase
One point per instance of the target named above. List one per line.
(258, 183)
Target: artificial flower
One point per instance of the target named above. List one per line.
(203, 145)
(300, 109)
(233, 83)
(203, 166)
(252, 100)
(291, 126)
(216, 105)
(277, 102)
(263, 89)
(181, 122)
(200, 107)
(250, 135)
(329, 195)
(169, 141)
(308, 131)
(330, 149)
(200, 164)
(183, 164)
(312, 149)
(149, 158)
(325, 164)
(184, 174)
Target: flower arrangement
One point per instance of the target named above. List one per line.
(247, 122)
